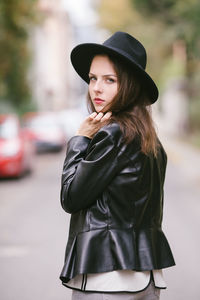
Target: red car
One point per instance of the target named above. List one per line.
(15, 148)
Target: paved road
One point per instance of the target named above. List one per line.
(33, 233)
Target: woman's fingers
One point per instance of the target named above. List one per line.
(99, 116)
(106, 117)
(93, 123)
(92, 116)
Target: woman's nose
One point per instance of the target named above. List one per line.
(98, 86)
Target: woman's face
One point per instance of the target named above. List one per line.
(103, 85)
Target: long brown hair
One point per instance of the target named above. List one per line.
(130, 107)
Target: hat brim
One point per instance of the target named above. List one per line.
(81, 57)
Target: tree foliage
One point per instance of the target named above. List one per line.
(181, 19)
(180, 16)
(115, 15)
(15, 19)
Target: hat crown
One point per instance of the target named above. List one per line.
(128, 46)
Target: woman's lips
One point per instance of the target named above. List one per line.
(98, 101)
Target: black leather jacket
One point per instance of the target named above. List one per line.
(115, 195)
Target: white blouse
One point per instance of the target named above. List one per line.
(117, 281)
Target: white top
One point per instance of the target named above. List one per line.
(117, 281)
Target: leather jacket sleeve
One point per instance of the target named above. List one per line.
(89, 167)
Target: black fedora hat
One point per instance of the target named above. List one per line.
(120, 44)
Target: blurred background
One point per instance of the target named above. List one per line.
(42, 102)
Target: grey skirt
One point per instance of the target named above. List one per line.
(150, 293)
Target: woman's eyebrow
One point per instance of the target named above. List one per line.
(110, 75)
(104, 75)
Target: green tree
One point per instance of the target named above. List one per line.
(15, 19)
(181, 17)
(181, 23)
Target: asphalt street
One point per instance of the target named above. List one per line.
(33, 231)
(33, 234)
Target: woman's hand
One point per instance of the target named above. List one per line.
(93, 123)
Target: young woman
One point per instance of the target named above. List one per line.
(112, 181)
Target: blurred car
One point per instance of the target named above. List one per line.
(45, 131)
(70, 121)
(16, 152)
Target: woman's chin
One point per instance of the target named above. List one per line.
(99, 109)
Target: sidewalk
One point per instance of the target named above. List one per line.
(181, 215)
(180, 153)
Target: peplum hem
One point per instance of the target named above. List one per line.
(110, 249)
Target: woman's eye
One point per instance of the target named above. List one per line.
(92, 78)
(110, 80)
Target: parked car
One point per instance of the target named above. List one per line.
(70, 120)
(16, 151)
(45, 131)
